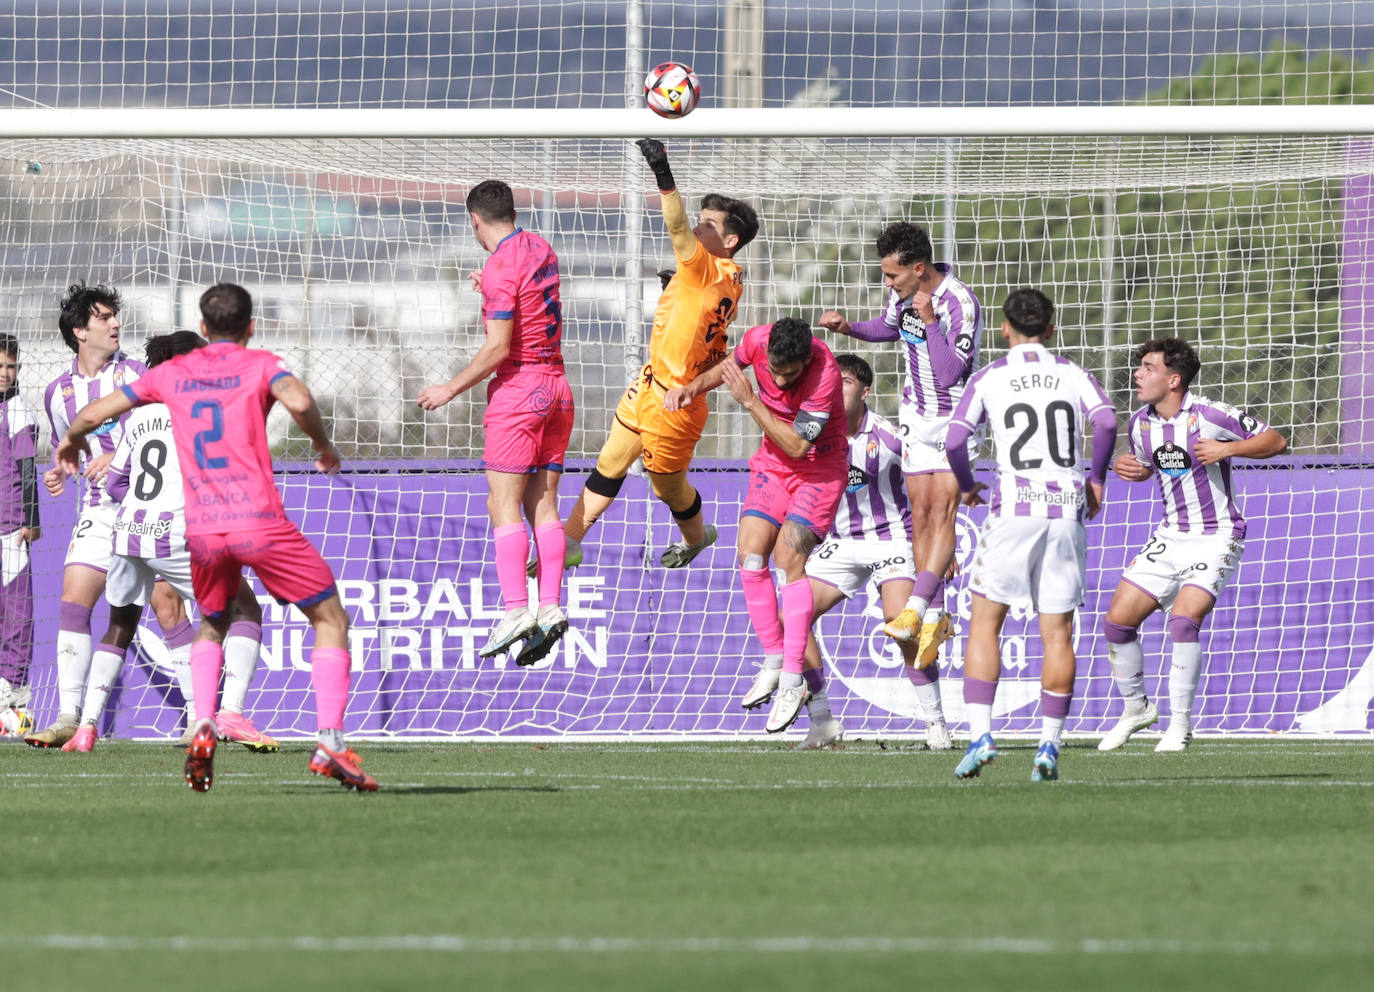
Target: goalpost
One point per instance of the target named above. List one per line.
(1248, 231)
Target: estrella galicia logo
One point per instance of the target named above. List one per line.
(858, 479)
(107, 426)
(1172, 460)
(911, 328)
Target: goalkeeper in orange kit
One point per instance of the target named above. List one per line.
(689, 336)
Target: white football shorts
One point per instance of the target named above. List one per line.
(923, 442)
(1035, 560)
(847, 563)
(1171, 560)
(130, 580)
(92, 538)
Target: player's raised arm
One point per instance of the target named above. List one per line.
(674, 213)
(300, 403)
(67, 454)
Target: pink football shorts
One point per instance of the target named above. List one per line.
(777, 496)
(528, 421)
(289, 566)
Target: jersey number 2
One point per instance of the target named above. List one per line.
(211, 434)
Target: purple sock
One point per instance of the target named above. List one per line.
(815, 679)
(74, 617)
(1183, 630)
(979, 691)
(180, 635)
(922, 676)
(1117, 634)
(1055, 706)
(926, 586)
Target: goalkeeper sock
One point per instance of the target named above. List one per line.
(978, 697)
(818, 706)
(73, 656)
(551, 546)
(789, 680)
(1054, 710)
(797, 606)
(1186, 665)
(106, 664)
(207, 660)
(761, 600)
(330, 674)
(240, 663)
(512, 546)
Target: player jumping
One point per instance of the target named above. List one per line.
(1188, 441)
(528, 420)
(689, 338)
(219, 397)
(1033, 546)
(796, 479)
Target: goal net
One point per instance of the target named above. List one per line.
(1259, 250)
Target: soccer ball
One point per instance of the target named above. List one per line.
(15, 721)
(672, 90)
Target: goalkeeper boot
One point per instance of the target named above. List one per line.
(932, 635)
(680, 554)
(981, 752)
(1131, 721)
(1178, 736)
(200, 757)
(903, 626)
(345, 766)
(238, 729)
(825, 732)
(553, 624)
(83, 740)
(15, 722)
(764, 685)
(937, 736)
(516, 625)
(787, 706)
(56, 735)
(1045, 767)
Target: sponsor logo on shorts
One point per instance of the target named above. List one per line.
(1172, 460)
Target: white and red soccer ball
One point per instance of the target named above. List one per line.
(672, 90)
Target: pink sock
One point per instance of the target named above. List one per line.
(761, 599)
(797, 604)
(207, 661)
(329, 674)
(549, 539)
(512, 545)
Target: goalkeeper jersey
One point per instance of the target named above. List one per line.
(693, 315)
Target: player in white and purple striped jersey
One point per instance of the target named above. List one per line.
(149, 547)
(1033, 546)
(869, 541)
(939, 321)
(88, 320)
(1187, 441)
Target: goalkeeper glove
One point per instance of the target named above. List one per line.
(657, 156)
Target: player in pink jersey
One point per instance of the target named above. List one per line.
(219, 397)
(795, 483)
(528, 420)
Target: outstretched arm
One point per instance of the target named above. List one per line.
(681, 396)
(300, 404)
(493, 352)
(67, 455)
(674, 213)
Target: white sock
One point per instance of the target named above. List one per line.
(790, 680)
(918, 604)
(332, 739)
(181, 671)
(1183, 678)
(1052, 728)
(819, 706)
(240, 665)
(932, 614)
(105, 668)
(73, 665)
(928, 695)
(1128, 671)
(979, 719)
(773, 661)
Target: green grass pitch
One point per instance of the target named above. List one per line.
(743, 865)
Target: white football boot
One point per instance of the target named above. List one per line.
(1131, 721)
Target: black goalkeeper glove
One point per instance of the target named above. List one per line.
(665, 276)
(657, 156)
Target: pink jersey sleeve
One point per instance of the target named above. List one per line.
(147, 388)
(752, 346)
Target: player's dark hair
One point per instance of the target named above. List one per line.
(909, 242)
(857, 367)
(1179, 357)
(75, 309)
(740, 218)
(9, 344)
(1029, 312)
(491, 200)
(159, 349)
(790, 340)
(227, 310)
